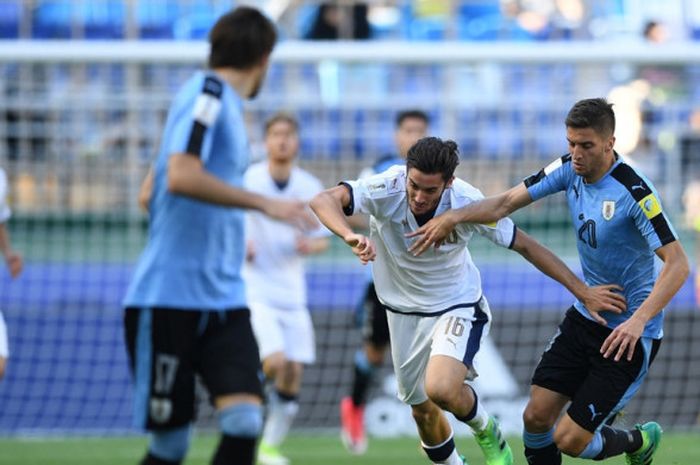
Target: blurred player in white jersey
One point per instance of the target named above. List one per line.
(276, 285)
(437, 313)
(13, 261)
(411, 125)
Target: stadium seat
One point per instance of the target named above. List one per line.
(155, 19)
(52, 19)
(10, 19)
(102, 19)
(479, 20)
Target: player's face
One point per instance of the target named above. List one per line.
(408, 133)
(282, 142)
(424, 190)
(591, 153)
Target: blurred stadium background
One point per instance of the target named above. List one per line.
(84, 87)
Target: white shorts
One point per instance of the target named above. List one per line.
(283, 330)
(414, 339)
(4, 347)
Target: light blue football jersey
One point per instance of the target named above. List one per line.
(619, 223)
(195, 249)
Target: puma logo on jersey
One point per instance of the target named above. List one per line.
(594, 414)
(638, 186)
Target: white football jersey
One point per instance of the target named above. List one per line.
(4, 208)
(439, 279)
(276, 274)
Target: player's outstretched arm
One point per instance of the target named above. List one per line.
(673, 274)
(187, 176)
(328, 206)
(596, 298)
(488, 210)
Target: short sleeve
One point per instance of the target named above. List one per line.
(367, 193)
(652, 222)
(500, 233)
(552, 178)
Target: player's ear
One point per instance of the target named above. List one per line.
(611, 143)
(449, 183)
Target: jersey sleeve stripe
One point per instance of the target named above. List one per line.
(662, 229)
(537, 177)
(350, 209)
(512, 241)
(643, 195)
(207, 107)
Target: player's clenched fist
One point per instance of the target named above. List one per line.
(361, 246)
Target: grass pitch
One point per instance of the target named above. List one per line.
(676, 449)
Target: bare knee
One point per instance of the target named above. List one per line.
(537, 419)
(273, 364)
(2, 366)
(444, 393)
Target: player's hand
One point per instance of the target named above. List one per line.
(294, 212)
(432, 233)
(623, 339)
(361, 246)
(14, 263)
(605, 298)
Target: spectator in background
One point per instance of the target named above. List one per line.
(335, 21)
(13, 261)
(655, 32)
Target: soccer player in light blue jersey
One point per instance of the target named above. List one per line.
(600, 355)
(186, 310)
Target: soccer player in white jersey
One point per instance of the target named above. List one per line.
(13, 260)
(437, 313)
(597, 360)
(411, 125)
(275, 280)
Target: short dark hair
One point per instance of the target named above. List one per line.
(412, 114)
(279, 117)
(594, 113)
(241, 39)
(431, 155)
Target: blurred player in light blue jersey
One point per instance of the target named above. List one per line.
(411, 125)
(186, 310)
(275, 279)
(436, 311)
(600, 356)
(14, 263)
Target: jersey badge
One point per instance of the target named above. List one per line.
(650, 205)
(608, 209)
(377, 187)
(394, 186)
